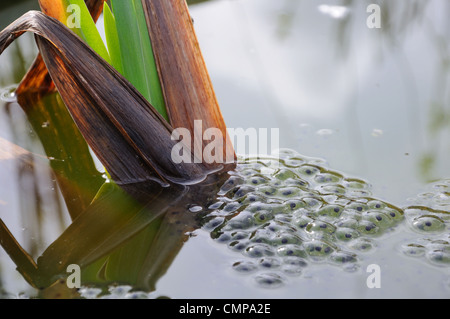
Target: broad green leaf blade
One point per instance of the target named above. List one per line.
(112, 38)
(151, 72)
(137, 54)
(88, 28)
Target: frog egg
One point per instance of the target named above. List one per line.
(241, 191)
(285, 238)
(318, 248)
(346, 234)
(438, 252)
(289, 192)
(293, 204)
(213, 223)
(297, 182)
(356, 184)
(319, 229)
(440, 257)
(269, 263)
(395, 214)
(331, 211)
(357, 207)
(243, 220)
(331, 189)
(312, 202)
(357, 193)
(230, 184)
(237, 245)
(257, 180)
(283, 174)
(328, 178)
(293, 162)
(276, 227)
(283, 218)
(263, 216)
(428, 223)
(361, 244)
(221, 237)
(368, 227)
(378, 218)
(261, 235)
(249, 199)
(342, 257)
(258, 250)
(376, 204)
(239, 235)
(269, 280)
(302, 221)
(307, 171)
(268, 190)
(291, 270)
(413, 250)
(295, 261)
(348, 222)
(291, 250)
(230, 208)
(217, 205)
(245, 266)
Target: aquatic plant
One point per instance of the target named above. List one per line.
(126, 132)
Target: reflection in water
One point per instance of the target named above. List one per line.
(114, 237)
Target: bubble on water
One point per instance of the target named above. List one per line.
(8, 94)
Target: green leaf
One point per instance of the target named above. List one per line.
(138, 60)
(89, 31)
(112, 39)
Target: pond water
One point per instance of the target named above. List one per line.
(372, 104)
